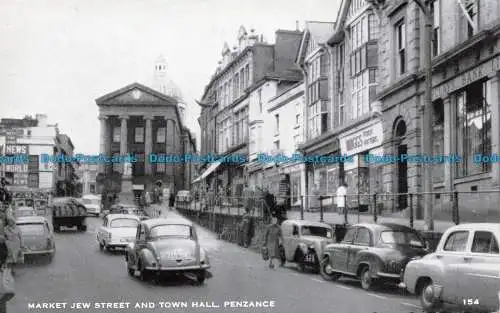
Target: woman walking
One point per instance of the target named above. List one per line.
(272, 240)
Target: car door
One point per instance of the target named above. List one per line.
(140, 242)
(362, 241)
(102, 229)
(450, 256)
(479, 274)
(286, 231)
(341, 251)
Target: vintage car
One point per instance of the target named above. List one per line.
(304, 241)
(37, 236)
(92, 203)
(372, 253)
(167, 246)
(68, 212)
(463, 273)
(24, 211)
(117, 231)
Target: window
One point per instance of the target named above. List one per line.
(401, 47)
(253, 136)
(457, 241)
(297, 119)
(296, 140)
(342, 111)
(468, 18)
(438, 139)
(473, 126)
(484, 242)
(277, 123)
(116, 134)
(372, 27)
(277, 146)
(117, 166)
(363, 237)
(242, 80)
(161, 135)
(139, 134)
(160, 167)
(349, 236)
(259, 95)
(362, 89)
(436, 38)
(247, 75)
(340, 56)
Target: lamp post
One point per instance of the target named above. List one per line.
(426, 109)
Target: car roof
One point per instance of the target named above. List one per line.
(25, 208)
(30, 219)
(128, 216)
(493, 227)
(306, 223)
(166, 221)
(385, 226)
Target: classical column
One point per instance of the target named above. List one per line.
(103, 140)
(148, 143)
(493, 98)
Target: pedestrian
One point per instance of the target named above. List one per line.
(171, 200)
(272, 239)
(245, 228)
(341, 199)
(247, 197)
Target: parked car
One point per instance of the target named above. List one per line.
(37, 236)
(116, 231)
(24, 211)
(372, 253)
(68, 212)
(92, 203)
(462, 274)
(167, 246)
(304, 241)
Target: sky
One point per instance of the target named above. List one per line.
(58, 56)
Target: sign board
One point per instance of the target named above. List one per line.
(33, 164)
(16, 149)
(363, 140)
(20, 179)
(16, 168)
(137, 187)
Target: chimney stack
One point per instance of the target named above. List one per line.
(297, 25)
(42, 120)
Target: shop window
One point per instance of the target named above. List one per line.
(473, 126)
(438, 140)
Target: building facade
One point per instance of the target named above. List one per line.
(64, 172)
(87, 174)
(465, 95)
(33, 137)
(141, 122)
(227, 102)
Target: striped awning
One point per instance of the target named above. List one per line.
(208, 171)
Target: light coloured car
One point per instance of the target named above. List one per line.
(116, 231)
(463, 273)
(92, 203)
(37, 236)
(167, 246)
(304, 241)
(25, 211)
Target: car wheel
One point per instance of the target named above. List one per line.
(200, 277)
(144, 274)
(427, 297)
(326, 270)
(130, 271)
(366, 278)
(101, 246)
(282, 256)
(50, 257)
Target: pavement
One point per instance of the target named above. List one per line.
(82, 273)
(336, 218)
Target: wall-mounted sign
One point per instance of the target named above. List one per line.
(362, 140)
(20, 179)
(16, 149)
(33, 164)
(33, 180)
(16, 168)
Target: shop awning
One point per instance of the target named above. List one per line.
(207, 172)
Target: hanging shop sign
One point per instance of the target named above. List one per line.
(363, 140)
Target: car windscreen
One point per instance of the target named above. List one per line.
(316, 231)
(124, 222)
(171, 230)
(401, 238)
(20, 213)
(32, 229)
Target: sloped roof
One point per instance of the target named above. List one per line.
(320, 31)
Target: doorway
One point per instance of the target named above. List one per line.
(402, 167)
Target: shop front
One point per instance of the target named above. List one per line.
(363, 175)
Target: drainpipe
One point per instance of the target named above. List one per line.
(304, 130)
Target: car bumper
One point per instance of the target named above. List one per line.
(38, 252)
(391, 276)
(178, 268)
(121, 245)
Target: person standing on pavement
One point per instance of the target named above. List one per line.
(272, 239)
(171, 201)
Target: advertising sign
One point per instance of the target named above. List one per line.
(33, 180)
(362, 140)
(16, 149)
(33, 164)
(16, 168)
(20, 179)
(10, 136)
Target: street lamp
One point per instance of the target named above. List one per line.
(426, 109)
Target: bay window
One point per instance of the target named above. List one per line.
(363, 87)
(473, 124)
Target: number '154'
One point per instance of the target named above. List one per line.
(471, 301)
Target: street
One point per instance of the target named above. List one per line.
(81, 273)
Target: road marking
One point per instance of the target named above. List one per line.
(318, 280)
(377, 296)
(412, 305)
(344, 287)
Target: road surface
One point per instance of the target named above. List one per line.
(81, 273)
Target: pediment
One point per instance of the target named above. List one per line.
(136, 94)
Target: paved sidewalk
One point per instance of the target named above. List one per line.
(336, 218)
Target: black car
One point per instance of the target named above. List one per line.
(372, 253)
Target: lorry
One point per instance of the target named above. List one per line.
(68, 212)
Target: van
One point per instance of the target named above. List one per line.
(92, 203)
